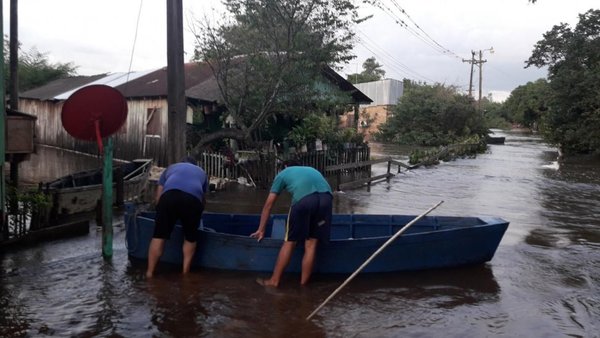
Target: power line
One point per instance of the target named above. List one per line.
(394, 63)
(395, 3)
(424, 37)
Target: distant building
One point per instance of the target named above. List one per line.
(385, 94)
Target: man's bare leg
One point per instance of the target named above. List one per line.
(308, 260)
(285, 254)
(189, 248)
(155, 250)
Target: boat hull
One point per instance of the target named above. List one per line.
(426, 246)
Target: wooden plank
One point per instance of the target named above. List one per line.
(363, 181)
(401, 164)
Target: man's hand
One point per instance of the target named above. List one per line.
(259, 235)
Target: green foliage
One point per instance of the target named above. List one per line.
(431, 116)
(299, 135)
(27, 210)
(495, 114)
(528, 103)
(268, 56)
(35, 69)
(573, 59)
(468, 147)
(371, 72)
(30, 199)
(325, 128)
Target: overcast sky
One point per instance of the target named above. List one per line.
(100, 36)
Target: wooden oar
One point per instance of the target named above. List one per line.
(396, 235)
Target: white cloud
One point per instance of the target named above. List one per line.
(98, 36)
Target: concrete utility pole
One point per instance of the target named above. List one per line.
(14, 81)
(175, 82)
(14, 55)
(472, 62)
(479, 63)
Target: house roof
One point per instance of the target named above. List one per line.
(346, 86)
(200, 84)
(155, 83)
(55, 88)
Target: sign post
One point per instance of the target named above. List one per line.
(93, 113)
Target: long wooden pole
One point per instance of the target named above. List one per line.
(396, 235)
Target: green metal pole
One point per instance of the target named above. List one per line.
(2, 133)
(107, 199)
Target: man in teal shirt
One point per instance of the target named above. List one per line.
(309, 218)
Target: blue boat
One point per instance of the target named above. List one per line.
(431, 242)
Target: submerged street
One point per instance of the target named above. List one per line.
(544, 280)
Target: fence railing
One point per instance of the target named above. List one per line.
(259, 168)
(351, 169)
(219, 165)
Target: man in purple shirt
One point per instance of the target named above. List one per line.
(180, 195)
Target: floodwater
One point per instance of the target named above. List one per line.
(544, 280)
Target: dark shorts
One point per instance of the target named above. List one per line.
(310, 218)
(175, 205)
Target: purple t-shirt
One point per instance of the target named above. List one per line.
(185, 177)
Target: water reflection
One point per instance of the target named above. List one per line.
(543, 280)
(49, 163)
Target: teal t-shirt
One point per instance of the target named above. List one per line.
(300, 182)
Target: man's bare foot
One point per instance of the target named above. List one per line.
(266, 282)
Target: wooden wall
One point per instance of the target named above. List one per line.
(131, 142)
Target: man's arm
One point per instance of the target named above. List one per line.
(264, 216)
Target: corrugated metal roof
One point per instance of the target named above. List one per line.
(383, 92)
(51, 90)
(113, 80)
(155, 83)
(200, 84)
(347, 86)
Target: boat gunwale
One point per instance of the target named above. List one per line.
(492, 222)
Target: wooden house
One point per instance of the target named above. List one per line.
(144, 134)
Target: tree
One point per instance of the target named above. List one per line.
(35, 69)
(431, 116)
(528, 103)
(371, 72)
(573, 60)
(268, 57)
(494, 113)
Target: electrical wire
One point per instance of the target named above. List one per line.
(137, 25)
(419, 33)
(382, 54)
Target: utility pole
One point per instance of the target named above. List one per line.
(175, 82)
(14, 81)
(479, 64)
(472, 62)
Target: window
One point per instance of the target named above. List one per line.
(153, 121)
